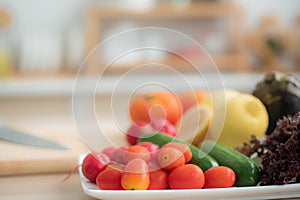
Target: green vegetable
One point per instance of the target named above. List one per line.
(280, 93)
(199, 158)
(246, 170)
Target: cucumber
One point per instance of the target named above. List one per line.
(247, 173)
(199, 158)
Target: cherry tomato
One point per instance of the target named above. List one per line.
(188, 176)
(110, 179)
(183, 148)
(109, 151)
(158, 180)
(219, 177)
(136, 175)
(119, 155)
(93, 164)
(152, 148)
(137, 151)
(169, 158)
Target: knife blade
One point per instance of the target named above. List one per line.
(14, 136)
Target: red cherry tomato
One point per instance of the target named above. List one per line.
(110, 179)
(93, 164)
(152, 148)
(188, 176)
(219, 177)
(183, 148)
(109, 151)
(119, 155)
(169, 158)
(137, 151)
(158, 180)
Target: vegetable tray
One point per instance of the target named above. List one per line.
(257, 192)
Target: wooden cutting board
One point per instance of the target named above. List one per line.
(21, 159)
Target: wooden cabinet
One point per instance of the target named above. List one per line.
(226, 12)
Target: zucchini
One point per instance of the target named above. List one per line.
(199, 158)
(247, 173)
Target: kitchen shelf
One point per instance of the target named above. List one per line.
(235, 60)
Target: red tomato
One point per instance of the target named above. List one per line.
(136, 175)
(219, 177)
(152, 148)
(93, 164)
(109, 151)
(109, 179)
(137, 151)
(183, 148)
(119, 155)
(188, 176)
(169, 158)
(158, 180)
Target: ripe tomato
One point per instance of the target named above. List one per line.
(189, 99)
(93, 164)
(119, 155)
(136, 151)
(109, 151)
(188, 176)
(183, 148)
(152, 148)
(136, 175)
(140, 106)
(109, 179)
(169, 158)
(158, 180)
(219, 177)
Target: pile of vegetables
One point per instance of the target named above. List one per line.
(161, 164)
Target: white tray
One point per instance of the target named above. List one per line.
(257, 192)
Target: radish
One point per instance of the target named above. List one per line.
(136, 130)
(93, 164)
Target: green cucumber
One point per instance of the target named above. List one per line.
(199, 158)
(247, 173)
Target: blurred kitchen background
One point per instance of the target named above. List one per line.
(44, 42)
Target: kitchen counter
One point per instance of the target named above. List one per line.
(41, 187)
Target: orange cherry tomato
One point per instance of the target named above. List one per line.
(137, 151)
(140, 106)
(219, 177)
(158, 180)
(183, 148)
(188, 176)
(136, 175)
(169, 158)
(109, 179)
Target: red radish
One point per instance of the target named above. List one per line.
(93, 164)
(136, 130)
(165, 126)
